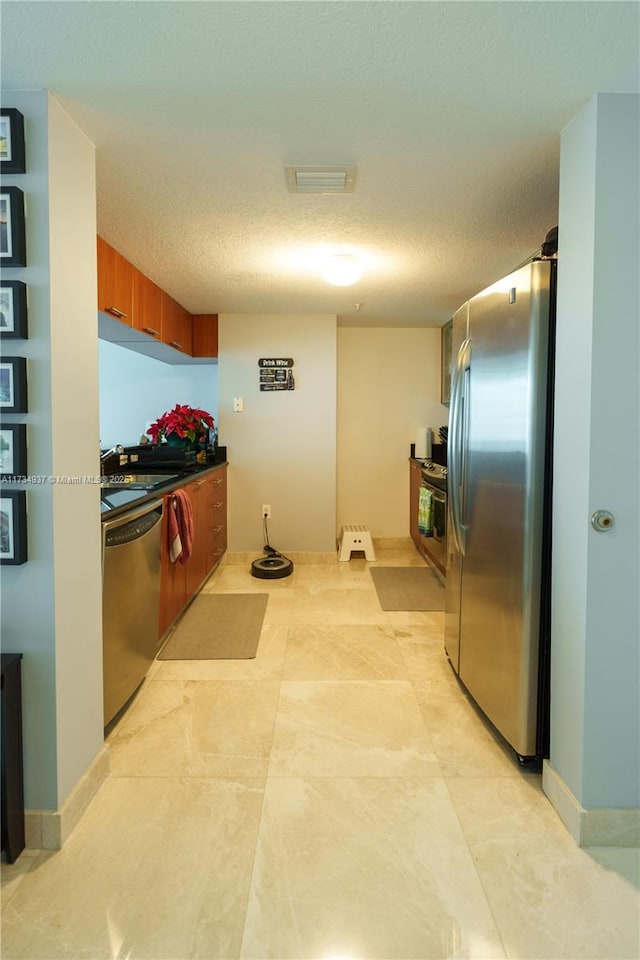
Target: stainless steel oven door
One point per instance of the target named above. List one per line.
(436, 543)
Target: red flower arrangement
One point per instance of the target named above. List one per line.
(183, 421)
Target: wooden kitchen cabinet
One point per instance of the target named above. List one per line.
(115, 283)
(173, 579)
(197, 564)
(415, 475)
(127, 295)
(147, 305)
(180, 582)
(217, 528)
(205, 334)
(446, 341)
(177, 331)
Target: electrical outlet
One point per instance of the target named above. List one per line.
(266, 511)
(238, 404)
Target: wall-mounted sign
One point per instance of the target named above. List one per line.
(276, 373)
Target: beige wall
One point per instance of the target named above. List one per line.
(74, 407)
(282, 448)
(388, 385)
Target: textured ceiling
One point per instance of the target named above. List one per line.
(451, 112)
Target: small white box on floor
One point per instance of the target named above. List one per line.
(355, 536)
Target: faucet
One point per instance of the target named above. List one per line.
(117, 449)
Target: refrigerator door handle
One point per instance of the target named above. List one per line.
(457, 438)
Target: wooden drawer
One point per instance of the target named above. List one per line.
(216, 547)
(217, 527)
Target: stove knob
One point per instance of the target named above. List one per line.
(428, 465)
(445, 472)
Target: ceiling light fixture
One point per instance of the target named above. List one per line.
(342, 269)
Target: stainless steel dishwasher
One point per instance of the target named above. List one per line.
(130, 600)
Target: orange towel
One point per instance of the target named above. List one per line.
(180, 527)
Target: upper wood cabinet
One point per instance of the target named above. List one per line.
(158, 325)
(147, 305)
(176, 325)
(115, 283)
(205, 334)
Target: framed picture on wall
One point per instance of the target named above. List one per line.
(13, 247)
(13, 527)
(13, 450)
(12, 156)
(13, 310)
(13, 385)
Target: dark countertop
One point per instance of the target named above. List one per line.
(438, 455)
(114, 502)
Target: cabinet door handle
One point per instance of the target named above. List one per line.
(218, 528)
(174, 343)
(116, 312)
(199, 483)
(154, 333)
(217, 506)
(219, 480)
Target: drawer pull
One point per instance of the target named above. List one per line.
(174, 343)
(116, 312)
(217, 506)
(218, 528)
(154, 333)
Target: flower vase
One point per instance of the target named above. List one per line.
(182, 443)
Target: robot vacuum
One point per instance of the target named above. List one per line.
(272, 567)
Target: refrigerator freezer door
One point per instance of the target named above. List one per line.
(503, 501)
(454, 557)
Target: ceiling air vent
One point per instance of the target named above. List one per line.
(321, 179)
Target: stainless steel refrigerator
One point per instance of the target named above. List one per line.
(499, 485)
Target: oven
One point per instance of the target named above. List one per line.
(432, 514)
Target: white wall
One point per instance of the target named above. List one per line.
(135, 390)
(282, 449)
(595, 654)
(51, 606)
(388, 385)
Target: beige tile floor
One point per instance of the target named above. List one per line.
(337, 798)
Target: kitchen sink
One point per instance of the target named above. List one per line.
(137, 481)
